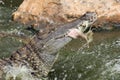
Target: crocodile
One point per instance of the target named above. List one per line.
(40, 54)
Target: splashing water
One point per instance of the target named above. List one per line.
(14, 72)
(21, 72)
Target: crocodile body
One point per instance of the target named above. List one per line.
(40, 53)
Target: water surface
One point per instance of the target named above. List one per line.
(8, 44)
(99, 62)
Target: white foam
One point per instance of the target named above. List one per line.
(21, 72)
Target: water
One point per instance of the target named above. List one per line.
(8, 44)
(99, 62)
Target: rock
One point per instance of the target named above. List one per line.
(60, 11)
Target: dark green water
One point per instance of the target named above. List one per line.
(9, 43)
(99, 62)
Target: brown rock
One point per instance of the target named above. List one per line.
(33, 11)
